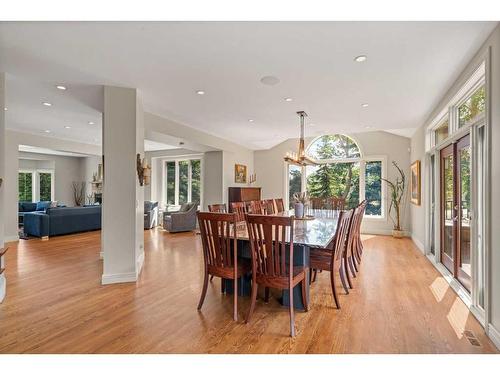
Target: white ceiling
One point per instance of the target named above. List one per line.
(410, 66)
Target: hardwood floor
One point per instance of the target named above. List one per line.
(56, 304)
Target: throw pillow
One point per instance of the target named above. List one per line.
(53, 204)
(42, 205)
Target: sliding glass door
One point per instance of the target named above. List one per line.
(456, 210)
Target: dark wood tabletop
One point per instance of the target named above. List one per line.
(318, 232)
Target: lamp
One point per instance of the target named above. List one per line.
(300, 158)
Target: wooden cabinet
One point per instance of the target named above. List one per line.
(243, 194)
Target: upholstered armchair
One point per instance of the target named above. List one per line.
(150, 214)
(181, 221)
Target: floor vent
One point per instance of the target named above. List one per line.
(472, 338)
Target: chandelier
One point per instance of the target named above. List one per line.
(300, 158)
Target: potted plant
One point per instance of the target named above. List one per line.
(397, 195)
(299, 201)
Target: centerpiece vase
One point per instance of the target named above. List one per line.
(299, 210)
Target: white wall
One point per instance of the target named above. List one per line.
(213, 190)
(492, 45)
(271, 169)
(417, 212)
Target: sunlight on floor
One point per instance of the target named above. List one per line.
(457, 316)
(439, 288)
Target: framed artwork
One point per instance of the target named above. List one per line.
(240, 174)
(415, 183)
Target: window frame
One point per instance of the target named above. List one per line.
(177, 160)
(35, 183)
(362, 172)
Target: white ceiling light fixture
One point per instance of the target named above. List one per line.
(360, 58)
(269, 80)
(91, 122)
(288, 99)
(61, 87)
(364, 105)
(67, 127)
(47, 104)
(46, 131)
(5, 108)
(200, 92)
(251, 120)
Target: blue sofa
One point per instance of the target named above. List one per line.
(24, 207)
(62, 220)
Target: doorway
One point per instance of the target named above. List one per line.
(455, 177)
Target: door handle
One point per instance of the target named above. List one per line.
(455, 218)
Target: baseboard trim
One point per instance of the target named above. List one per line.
(419, 244)
(140, 263)
(3, 287)
(130, 277)
(383, 232)
(11, 238)
(494, 335)
(101, 254)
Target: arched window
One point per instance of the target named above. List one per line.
(342, 171)
(336, 146)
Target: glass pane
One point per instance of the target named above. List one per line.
(442, 132)
(195, 180)
(334, 180)
(25, 187)
(336, 146)
(183, 181)
(45, 186)
(481, 210)
(464, 155)
(473, 108)
(373, 188)
(170, 182)
(433, 205)
(294, 182)
(448, 205)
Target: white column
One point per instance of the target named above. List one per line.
(3, 282)
(123, 197)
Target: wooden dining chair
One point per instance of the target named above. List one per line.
(255, 207)
(332, 259)
(338, 203)
(267, 206)
(220, 208)
(220, 252)
(240, 209)
(280, 206)
(357, 249)
(351, 263)
(269, 248)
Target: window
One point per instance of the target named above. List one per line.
(373, 188)
(294, 182)
(473, 108)
(170, 182)
(45, 186)
(182, 181)
(342, 172)
(442, 131)
(25, 180)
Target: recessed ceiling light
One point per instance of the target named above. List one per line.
(364, 105)
(61, 87)
(368, 127)
(47, 131)
(360, 58)
(67, 127)
(270, 80)
(200, 92)
(251, 120)
(288, 99)
(91, 123)
(5, 109)
(47, 104)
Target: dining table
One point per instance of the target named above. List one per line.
(317, 231)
